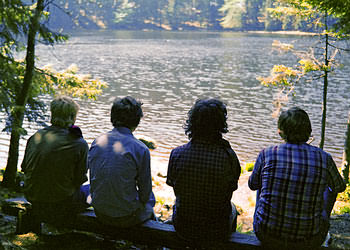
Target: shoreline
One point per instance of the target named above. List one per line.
(286, 32)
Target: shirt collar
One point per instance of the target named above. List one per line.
(123, 130)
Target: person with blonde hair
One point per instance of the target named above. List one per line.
(55, 165)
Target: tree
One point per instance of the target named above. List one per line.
(232, 11)
(22, 82)
(346, 154)
(339, 9)
(294, 17)
(253, 14)
(309, 61)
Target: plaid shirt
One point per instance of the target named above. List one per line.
(204, 176)
(291, 179)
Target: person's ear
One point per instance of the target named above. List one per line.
(280, 132)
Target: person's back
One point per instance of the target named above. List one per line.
(292, 187)
(51, 164)
(204, 173)
(120, 174)
(114, 167)
(297, 184)
(203, 189)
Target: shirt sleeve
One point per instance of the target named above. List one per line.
(82, 164)
(25, 158)
(335, 180)
(144, 178)
(234, 170)
(170, 180)
(254, 181)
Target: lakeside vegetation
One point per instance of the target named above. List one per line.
(236, 15)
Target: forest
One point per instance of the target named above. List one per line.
(236, 15)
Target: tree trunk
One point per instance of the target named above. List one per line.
(325, 86)
(346, 154)
(324, 107)
(9, 179)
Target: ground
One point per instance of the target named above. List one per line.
(54, 239)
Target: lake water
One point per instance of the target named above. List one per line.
(168, 71)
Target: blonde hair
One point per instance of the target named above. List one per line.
(63, 111)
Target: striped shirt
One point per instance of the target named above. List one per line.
(291, 179)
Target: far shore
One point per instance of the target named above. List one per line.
(286, 32)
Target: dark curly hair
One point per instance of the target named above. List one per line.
(294, 125)
(206, 120)
(126, 112)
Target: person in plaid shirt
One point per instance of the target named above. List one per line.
(297, 185)
(204, 173)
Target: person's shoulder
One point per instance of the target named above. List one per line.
(102, 140)
(75, 134)
(319, 151)
(43, 131)
(79, 142)
(180, 150)
(310, 147)
(75, 131)
(140, 144)
(272, 148)
(183, 147)
(38, 136)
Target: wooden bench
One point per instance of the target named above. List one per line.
(151, 232)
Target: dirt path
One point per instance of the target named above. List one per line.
(244, 199)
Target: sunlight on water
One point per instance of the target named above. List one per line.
(168, 71)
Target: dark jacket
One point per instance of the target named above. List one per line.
(54, 164)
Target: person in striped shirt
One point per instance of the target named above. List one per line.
(296, 185)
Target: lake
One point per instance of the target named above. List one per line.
(168, 71)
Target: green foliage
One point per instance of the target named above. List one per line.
(188, 14)
(339, 9)
(249, 166)
(344, 210)
(69, 82)
(343, 206)
(22, 83)
(15, 18)
(45, 81)
(148, 142)
(313, 63)
(310, 64)
(125, 9)
(293, 16)
(239, 227)
(140, 14)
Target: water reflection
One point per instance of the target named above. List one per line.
(168, 71)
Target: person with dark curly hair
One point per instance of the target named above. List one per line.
(297, 186)
(120, 173)
(204, 173)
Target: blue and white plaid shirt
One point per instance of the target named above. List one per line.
(291, 179)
